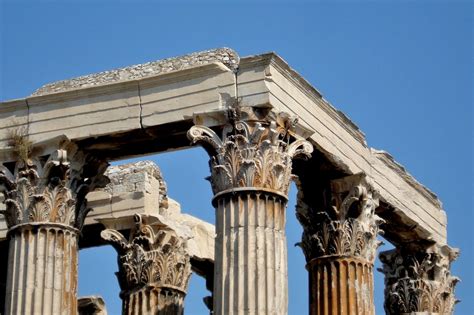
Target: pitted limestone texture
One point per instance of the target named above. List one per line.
(139, 176)
(224, 55)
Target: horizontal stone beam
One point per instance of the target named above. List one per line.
(129, 115)
(267, 79)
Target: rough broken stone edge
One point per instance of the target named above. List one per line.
(311, 91)
(224, 55)
(346, 123)
(388, 160)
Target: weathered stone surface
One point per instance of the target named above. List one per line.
(116, 210)
(148, 108)
(250, 176)
(50, 192)
(154, 268)
(334, 135)
(198, 234)
(42, 271)
(419, 282)
(257, 156)
(340, 242)
(340, 286)
(225, 55)
(149, 114)
(91, 305)
(12, 114)
(347, 226)
(45, 207)
(175, 98)
(79, 116)
(139, 188)
(142, 178)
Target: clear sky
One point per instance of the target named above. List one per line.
(402, 71)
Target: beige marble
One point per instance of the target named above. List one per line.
(113, 104)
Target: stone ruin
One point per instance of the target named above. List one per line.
(263, 126)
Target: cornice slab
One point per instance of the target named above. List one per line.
(226, 56)
(133, 113)
(342, 143)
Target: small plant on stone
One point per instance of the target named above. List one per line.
(22, 146)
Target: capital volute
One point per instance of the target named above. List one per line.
(153, 256)
(419, 280)
(347, 226)
(50, 188)
(252, 154)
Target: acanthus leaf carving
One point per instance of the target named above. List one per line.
(152, 256)
(48, 191)
(252, 154)
(348, 226)
(419, 281)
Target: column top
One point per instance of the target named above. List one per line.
(253, 154)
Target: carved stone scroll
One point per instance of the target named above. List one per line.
(250, 176)
(91, 305)
(45, 210)
(419, 281)
(154, 269)
(340, 243)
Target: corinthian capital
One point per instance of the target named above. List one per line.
(51, 189)
(419, 281)
(348, 226)
(252, 154)
(151, 257)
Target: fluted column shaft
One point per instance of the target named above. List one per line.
(340, 242)
(251, 166)
(154, 268)
(45, 210)
(42, 277)
(251, 255)
(340, 285)
(153, 300)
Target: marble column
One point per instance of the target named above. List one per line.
(340, 243)
(419, 281)
(250, 176)
(154, 269)
(45, 210)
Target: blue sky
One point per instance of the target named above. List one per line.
(402, 71)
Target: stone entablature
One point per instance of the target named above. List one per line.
(235, 105)
(160, 109)
(139, 188)
(225, 55)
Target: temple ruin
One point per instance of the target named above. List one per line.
(263, 126)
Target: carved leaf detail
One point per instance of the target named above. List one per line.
(348, 227)
(254, 156)
(418, 282)
(40, 191)
(116, 239)
(151, 257)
